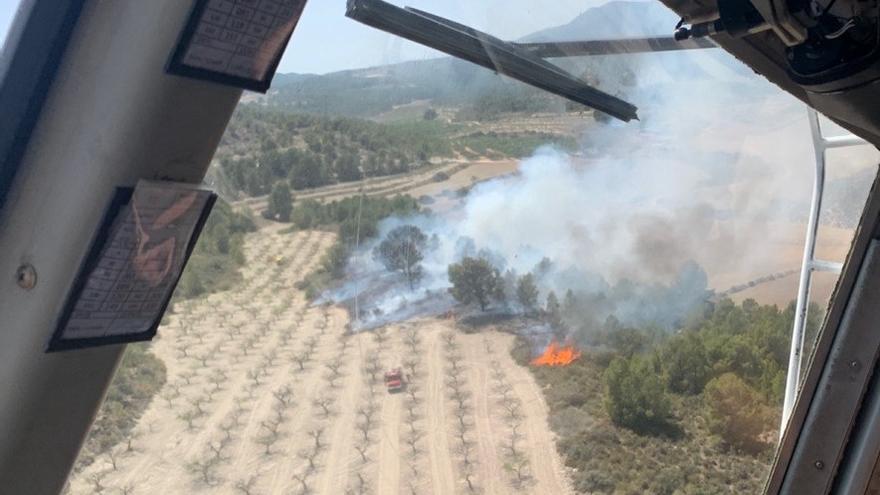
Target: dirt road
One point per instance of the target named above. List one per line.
(269, 395)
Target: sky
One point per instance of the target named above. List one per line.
(7, 12)
(327, 41)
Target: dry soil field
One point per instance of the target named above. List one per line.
(269, 395)
(461, 173)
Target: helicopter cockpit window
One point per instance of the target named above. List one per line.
(424, 276)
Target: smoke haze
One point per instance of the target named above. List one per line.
(645, 217)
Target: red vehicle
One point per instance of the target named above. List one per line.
(394, 380)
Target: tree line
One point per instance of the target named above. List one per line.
(264, 147)
(712, 385)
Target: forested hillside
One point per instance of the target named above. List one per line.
(263, 147)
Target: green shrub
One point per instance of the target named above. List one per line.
(218, 254)
(735, 412)
(686, 364)
(636, 397)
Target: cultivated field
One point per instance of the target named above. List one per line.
(269, 395)
(461, 173)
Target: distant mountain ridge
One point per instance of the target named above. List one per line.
(447, 81)
(616, 19)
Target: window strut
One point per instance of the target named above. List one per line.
(810, 263)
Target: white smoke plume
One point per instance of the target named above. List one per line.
(717, 162)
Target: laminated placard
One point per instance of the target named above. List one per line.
(133, 265)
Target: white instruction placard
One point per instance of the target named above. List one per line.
(237, 41)
(134, 266)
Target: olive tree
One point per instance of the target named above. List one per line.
(475, 280)
(403, 250)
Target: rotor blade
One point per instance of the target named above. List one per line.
(488, 38)
(485, 50)
(554, 49)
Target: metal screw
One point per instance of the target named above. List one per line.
(854, 364)
(819, 465)
(26, 276)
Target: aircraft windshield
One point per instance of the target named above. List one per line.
(426, 277)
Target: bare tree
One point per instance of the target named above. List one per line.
(380, 335)
(188, 376)
(334, 367)
(189, 417)
(411, 365)
(412, 439)
(271, 433)
(270, 357)
(284, 395)
(198, 402)
(316, 434)
(324, 403)
(365, 428)
(310, 456)
(129, 440)
(373, 367)
(204, 358)
(204, 470)
(96, 479)
(303, 479)
(217, 448)
(246, 486)
(227, 427)
(254, 376)
(360, 486)
(412, 338)
(218, 378)
(518, 466)
(301, 359)
(169, 397)
(361, 449)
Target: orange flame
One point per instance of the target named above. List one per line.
(554, 355)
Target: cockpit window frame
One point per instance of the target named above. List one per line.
(29, 62)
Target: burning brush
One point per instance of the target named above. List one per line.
(556, 355)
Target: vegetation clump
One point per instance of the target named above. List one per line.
(280, 204)
(475, 280)
(402, 250)
(356, 219)
(218, 254)
(694, 410)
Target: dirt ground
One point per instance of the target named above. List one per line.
(269, 395)
(780, 248)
